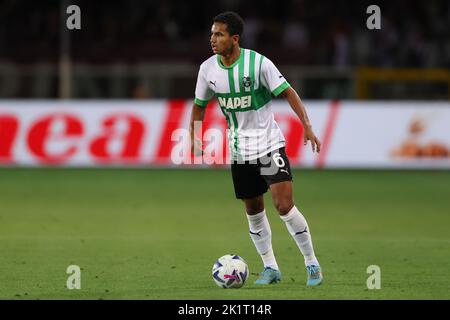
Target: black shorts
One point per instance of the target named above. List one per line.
(253, 178)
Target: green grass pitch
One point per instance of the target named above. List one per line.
(155, 234)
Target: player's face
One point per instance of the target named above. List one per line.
(221, 41)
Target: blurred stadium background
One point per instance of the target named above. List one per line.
(87, 178)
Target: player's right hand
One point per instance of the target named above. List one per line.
(196, 148)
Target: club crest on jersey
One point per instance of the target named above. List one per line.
(246, 82)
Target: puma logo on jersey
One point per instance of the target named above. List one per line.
(280, 76)
(283, 170)
(236, 102)
(213, 83)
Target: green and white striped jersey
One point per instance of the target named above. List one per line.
(244, 93)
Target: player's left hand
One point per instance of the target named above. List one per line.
(309, 135)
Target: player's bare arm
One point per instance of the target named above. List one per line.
(197, 114)
(296, 104)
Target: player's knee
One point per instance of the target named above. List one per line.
(254, 209)
(254, 206)
(284, 206)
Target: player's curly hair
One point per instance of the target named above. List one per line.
(234, 22)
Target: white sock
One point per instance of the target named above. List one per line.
(262, 238)
(299, 230)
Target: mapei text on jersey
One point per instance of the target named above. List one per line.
(235, 102)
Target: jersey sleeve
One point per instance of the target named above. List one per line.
(272, 79)
(203, 92)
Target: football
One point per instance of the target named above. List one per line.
(230, 271)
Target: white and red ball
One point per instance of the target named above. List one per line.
(230, 271)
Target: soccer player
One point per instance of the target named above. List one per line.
(243, 82)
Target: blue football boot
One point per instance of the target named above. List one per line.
(269, 276)
(314, 275)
